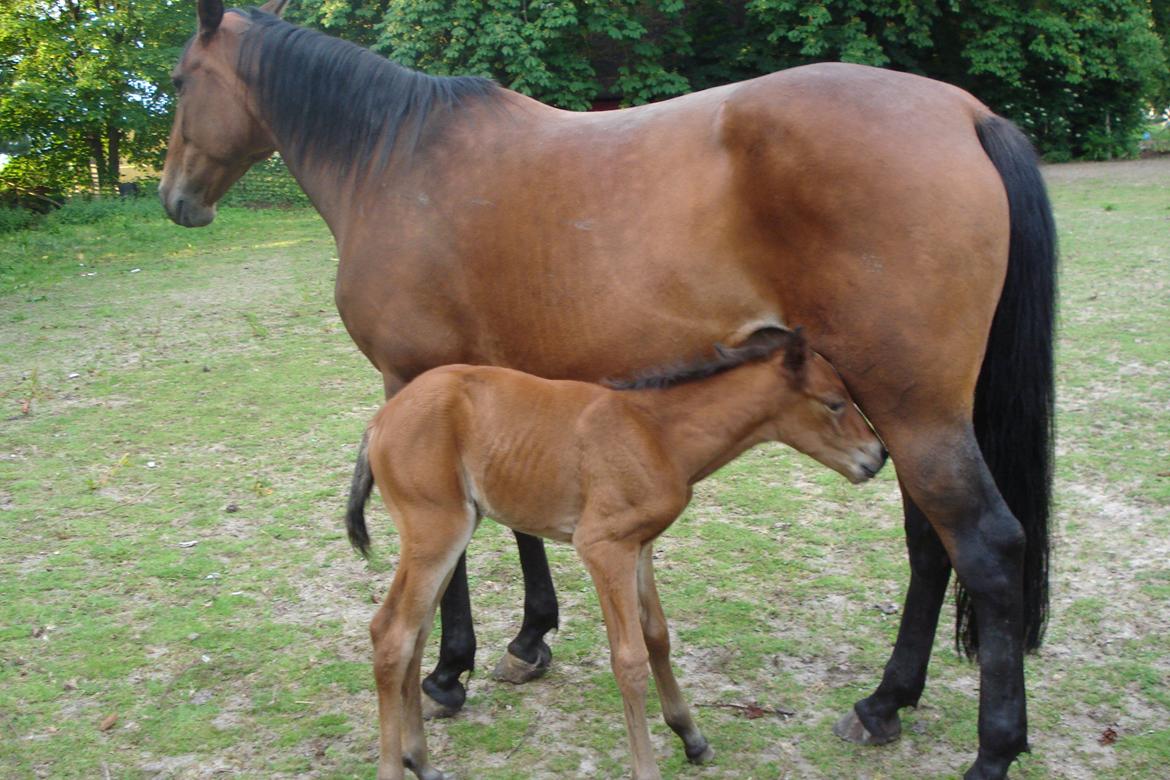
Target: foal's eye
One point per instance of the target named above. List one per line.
(836, 407)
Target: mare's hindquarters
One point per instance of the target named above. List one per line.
(894, 204)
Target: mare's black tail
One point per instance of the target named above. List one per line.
(1015, 395)
(359, 493)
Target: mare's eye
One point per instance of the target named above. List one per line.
(177, 83)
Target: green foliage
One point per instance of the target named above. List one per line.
(13, 219)
(81, 81)
(1078, 75)
(357, 21)
(564, 52)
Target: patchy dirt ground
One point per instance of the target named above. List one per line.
(782, 584)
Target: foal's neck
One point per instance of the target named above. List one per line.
(706, 423)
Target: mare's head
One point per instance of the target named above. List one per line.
(216, 135)
(816, 415)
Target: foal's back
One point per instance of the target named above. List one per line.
(502, 443)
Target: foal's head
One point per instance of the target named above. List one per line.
(216, 135)
(816, 415)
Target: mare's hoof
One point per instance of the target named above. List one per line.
(851, 729)
(432, 710)
(425, 773)
(441, 702)
(702, 754)
(517, 671)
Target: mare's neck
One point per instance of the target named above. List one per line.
(327, 192)
(706, 423)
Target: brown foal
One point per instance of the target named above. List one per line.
(606, 469)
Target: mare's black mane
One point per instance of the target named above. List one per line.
(327, 98)
(761, 345)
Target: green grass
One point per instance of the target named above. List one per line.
(178, 415)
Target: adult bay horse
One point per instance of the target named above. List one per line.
(896, 217)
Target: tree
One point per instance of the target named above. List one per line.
(565, 52)
(357, 21)
(81, 85)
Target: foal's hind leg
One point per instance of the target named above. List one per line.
(874, 720)
(675, 711)
(431, 544)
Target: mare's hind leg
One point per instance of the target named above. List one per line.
(528, 655)
(874, 720)
(946, 476)
(675, 711)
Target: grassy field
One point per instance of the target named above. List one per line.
(178, 415)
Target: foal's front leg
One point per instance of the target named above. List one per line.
(675, 711)
(613, 567)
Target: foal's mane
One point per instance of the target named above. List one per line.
(761, 345)
(331, 99)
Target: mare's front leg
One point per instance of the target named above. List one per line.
(874, 720)
(444, 690)
(528, 655)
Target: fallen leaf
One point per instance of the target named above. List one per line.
(1108, 736)
(108, 722)
(753, 711)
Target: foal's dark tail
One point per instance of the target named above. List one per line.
(359, 493)
(1015, 395)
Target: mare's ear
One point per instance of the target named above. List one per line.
(275, 7)
(796, 354)
(210, 15)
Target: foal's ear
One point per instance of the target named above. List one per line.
(796, 354)
(210, 15)
(275, 7)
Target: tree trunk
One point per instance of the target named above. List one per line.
(98, 152)
(113, 157)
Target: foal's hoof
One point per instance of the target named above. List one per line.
(851, 729)
(517, 671)
(442, 702)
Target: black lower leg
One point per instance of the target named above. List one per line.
(905, 673)
(457, 646)
(992, 572)
(540, 603)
